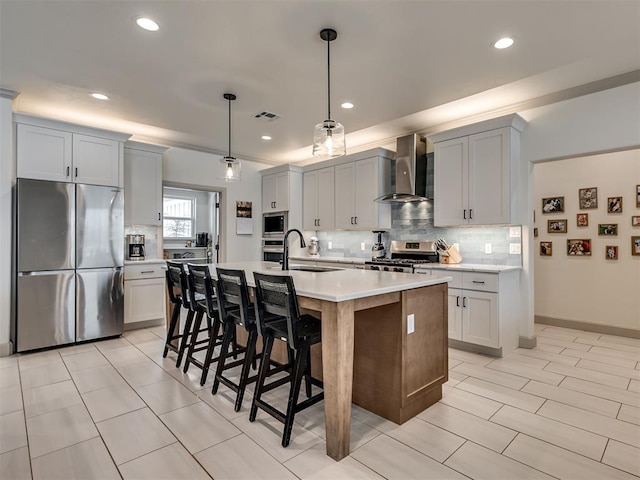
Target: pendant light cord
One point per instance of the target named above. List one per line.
(329, 79)
(229, 128)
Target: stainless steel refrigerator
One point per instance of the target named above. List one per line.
(70, 256)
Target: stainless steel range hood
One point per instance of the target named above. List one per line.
(413, 172)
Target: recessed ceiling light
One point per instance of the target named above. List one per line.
(265, 137)
(99, 96)
(347, 105)
(147, 24)
(504, 42)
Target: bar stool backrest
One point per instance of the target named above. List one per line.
(276, 295)
(233, 290)
(200, 283)
(175, 278)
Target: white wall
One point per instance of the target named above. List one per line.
(6, 182)
(589, 289)
(199, 170)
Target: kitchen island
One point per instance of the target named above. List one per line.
(384, 341)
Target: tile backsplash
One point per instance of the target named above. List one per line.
(414, 221)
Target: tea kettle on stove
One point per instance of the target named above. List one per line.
(378, 251)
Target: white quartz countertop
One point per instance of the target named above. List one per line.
(145, 261)
(339, 285)
(327, 258)
(469, 267)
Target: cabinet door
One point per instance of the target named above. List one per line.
(455, 313)
(142, 187)
(366, 188)
(96, 161)
(451, 180)
(345, 179)
(144, 300)
(43, 153)
(326, 199)
(310, 200)
(282, 191)
(480, 318)
(268, 193)
(489, 177)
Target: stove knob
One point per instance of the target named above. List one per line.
(373, 267)
(386, 269)
(398, 269)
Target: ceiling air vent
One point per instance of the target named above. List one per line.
(267, 116)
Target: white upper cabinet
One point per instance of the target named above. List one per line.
(357, 185)
(476, 176)
(142, 184)
(275, 192)
(318, 199)
(57, 151)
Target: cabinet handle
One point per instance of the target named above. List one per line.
(471, 214)
(159, 217)
(318, 222)
(464, 214)
(479, 281)
(356, 218)
(68, 170)
(464, 302)
(147, 271)
(458, 301)
(76, 172)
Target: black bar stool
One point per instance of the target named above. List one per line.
(179, 298)
(276, 295)
(233, 292)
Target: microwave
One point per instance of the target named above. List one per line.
(274, 224)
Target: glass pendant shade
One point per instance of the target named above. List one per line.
(232, 169)
(329, 140)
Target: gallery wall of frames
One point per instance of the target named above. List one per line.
(607, 212)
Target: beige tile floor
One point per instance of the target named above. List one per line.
(569, 409)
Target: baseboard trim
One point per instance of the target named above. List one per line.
(472, 347)
(146, 324)
(588, 327)
(527, 342)
(6, 349)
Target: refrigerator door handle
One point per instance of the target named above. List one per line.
(43, 272)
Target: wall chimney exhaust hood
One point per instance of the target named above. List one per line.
(413, 172)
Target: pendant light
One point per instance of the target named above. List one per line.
(328, 136)
(231, 164)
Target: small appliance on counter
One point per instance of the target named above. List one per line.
(202, 239)
(378, 251)
(313, 247)
(135, 247)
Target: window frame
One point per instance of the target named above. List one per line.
(193, 201)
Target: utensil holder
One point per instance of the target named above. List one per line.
(452, 256)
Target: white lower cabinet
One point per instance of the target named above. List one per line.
(483, 308)
(144, 293)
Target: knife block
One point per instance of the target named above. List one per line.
(453, 257)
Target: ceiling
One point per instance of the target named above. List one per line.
(408, 66)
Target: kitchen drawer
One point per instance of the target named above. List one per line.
(147, 270)
(457, 281)
(485, 282)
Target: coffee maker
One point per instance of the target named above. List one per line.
(202, 239)
(135, 246)
(378, 251)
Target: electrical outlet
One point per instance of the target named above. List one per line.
(411, 323)
(515, 232)
(363, 246)
(514, 249)
(487, 248)
(329, 245)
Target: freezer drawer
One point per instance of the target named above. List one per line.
(99, 303)
(100, 227)
(45, 309)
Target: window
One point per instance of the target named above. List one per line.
(179, 217)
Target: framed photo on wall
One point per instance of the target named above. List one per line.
(557, 226)
(607, 229)
(546, 249)
(580, 246)
(637, 196)
(611, 252)
(588, 198)
(635, 245)
(553, 205)
(582, 219)
(635, 221)
(614, 205)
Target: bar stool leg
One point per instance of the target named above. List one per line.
(249, 358)
(175, 317)
(194, 337)
(213, 337)
(298, 373)
(224, 353)
(185, 337)
(262, 375)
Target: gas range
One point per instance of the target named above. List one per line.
(404, 255)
